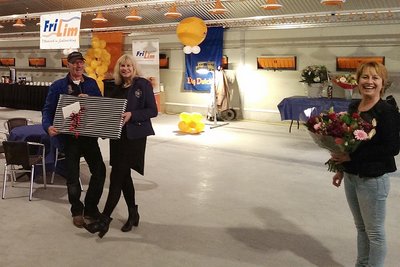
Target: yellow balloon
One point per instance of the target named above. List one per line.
(183, 127)
(89, 53)
(107, 57)
(89, 69)
(200, 127)
(95, 44)
(192, 124)
(100, 70)
(97, 52)
(101, 87)
(103, 44)
(191, 31)
(197, 116)
(88, 59)
(184, 116)
(92, 75)
(94, 64)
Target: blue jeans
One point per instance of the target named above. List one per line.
(367, 201)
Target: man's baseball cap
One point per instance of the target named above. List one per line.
(72, 57)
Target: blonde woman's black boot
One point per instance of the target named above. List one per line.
(101, 226)
(133, 219)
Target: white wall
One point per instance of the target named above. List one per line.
(256, 93)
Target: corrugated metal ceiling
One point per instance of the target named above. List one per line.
(241, 14)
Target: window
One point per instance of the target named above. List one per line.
(37, 62)
(277, 63)
(351, 63)
(64, 62)
(7, 62)
(164, 61)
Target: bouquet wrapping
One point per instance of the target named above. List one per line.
(339, 133)
(345, 81)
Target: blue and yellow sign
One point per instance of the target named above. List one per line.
(60, 31)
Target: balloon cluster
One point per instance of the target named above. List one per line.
(97, 61)
(191, 32)
(191, 122)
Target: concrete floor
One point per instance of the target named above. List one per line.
(245, 194)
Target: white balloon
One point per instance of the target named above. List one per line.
(187, 49)
(65, 52)
(196, 49)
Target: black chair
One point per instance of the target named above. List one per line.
(1, 143)
(18, 153)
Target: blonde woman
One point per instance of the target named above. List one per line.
(128, 152)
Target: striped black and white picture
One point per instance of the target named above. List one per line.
(100, 116)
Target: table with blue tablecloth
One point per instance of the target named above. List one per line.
(298, 108)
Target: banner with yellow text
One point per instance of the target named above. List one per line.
(60, 30)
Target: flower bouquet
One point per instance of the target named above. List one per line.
(314, 74)
(339, 132)
(346, 81)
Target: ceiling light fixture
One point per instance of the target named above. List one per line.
(172, 13)
(133, 16)
(271, 5)
(332, 2)
(19, 24)
(99, 18)
(218, 8)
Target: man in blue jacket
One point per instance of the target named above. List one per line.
(77, 84)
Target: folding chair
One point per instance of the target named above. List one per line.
(17, 153)
(60, 156)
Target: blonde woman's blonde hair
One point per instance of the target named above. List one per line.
(124, 59)
(380, 70)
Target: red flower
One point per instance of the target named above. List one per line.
(332, 116)
(339, 141)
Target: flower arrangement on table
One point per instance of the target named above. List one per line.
(314, 74)
(346, 81)
(339, 132)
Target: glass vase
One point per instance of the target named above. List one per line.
(348, 94)
(313, 90)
